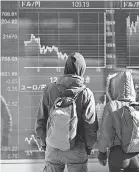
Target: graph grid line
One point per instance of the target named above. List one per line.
(91, 43)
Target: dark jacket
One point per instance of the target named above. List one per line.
(121, 91)
(70, 84)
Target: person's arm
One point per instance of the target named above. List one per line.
(106, 129)
(90, 122)
(106, 134)
(42, 117)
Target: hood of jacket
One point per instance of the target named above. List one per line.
(72, 81)
(121, 87)
(70, 85)
(75, 64)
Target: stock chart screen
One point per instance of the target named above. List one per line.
(132, 21)
(36, 39)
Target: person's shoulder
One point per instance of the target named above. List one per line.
(88, 90)
(49, 86)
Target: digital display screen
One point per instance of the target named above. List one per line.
(132, 37)
(36, 39)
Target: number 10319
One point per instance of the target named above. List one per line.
(80, 4)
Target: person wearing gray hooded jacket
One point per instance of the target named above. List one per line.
(121, 92)
(69, 84)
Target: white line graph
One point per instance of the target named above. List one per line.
(33, 139)
(43, 50)
(86, 33)
(132, 26)
(132, 23)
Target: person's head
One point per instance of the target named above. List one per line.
(120, 86)
(75, 64)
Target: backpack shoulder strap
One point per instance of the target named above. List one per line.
(76, 95)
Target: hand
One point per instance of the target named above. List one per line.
(89, 151)
(103, 162)
(102, 158)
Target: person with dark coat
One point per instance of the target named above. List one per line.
(70, 83)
